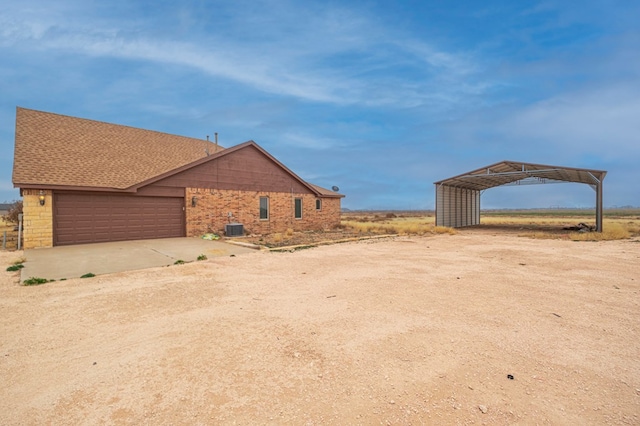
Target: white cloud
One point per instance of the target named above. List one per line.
(380, 101)
(302, 140)
(300, 55)
(601, 122)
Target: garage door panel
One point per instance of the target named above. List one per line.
(86, 218)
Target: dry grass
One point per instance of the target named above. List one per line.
(618, 224)
(392, 223)
(610, 231)
(530, 220)
(12, 236)
(4, 224)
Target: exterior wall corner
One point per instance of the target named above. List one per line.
(37, 219)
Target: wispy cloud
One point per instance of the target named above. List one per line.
(378, 98)
(300, 63)
(601, 122)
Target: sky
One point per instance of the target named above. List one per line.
(379, 98)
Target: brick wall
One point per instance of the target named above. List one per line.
(37, 219)
(213, 207)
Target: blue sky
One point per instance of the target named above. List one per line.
(379, 98)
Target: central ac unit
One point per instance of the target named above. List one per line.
(234, 230)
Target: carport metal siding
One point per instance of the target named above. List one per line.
(457, 207)
(454, 207)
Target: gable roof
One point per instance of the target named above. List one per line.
(61, 151)
(514, 172)
(319, 191)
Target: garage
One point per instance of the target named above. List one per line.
(93, 218)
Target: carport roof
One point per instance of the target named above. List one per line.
(519, 173)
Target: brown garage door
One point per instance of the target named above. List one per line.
(84, 218)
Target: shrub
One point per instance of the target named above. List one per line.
(88, 275)
(202, 257)
(35, 281)
(14, 210)
(178, 262)
(15, 267)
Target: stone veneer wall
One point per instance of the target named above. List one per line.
(213, 206)
(37, 219)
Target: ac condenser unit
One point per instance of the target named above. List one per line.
(234, 230)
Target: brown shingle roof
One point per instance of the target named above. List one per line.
(58, 150)
(327, 193)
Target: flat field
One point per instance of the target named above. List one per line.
(478, 327)
(617, 224)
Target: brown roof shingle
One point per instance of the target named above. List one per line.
(325, 192)
(58, 150)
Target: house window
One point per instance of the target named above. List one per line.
(264, 208)
(318, 204)
(298, 208)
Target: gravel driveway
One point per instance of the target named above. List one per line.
(471, 328)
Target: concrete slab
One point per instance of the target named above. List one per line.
(105, 258)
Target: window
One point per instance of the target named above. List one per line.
(298, 208)
(318, 204)
(264, 208)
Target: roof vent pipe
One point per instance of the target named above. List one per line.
(216, 139)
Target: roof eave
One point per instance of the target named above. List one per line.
(71, 187)
(481, 172)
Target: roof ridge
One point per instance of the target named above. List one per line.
(114, 124)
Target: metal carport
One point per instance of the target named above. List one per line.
(458, 197)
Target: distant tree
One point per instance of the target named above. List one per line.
(14, 211)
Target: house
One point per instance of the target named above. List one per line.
(85, 181)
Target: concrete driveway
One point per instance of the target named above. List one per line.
(105, 258)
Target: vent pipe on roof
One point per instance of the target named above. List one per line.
(216, 139)
(206, 150)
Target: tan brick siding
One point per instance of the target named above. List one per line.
(213, 207)
(37, 219)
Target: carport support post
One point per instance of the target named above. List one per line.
(599, 206)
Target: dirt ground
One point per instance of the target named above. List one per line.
(407, 330)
